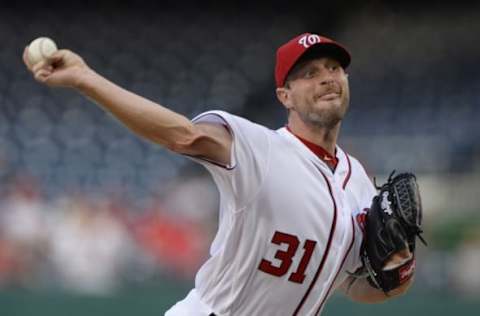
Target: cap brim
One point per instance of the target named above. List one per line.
(333, 50)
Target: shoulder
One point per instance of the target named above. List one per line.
(361, 178)
(358, 172)
(357, 166)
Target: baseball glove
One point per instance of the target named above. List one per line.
(391, 226)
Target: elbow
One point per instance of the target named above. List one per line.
(179, 147)
(182, 141)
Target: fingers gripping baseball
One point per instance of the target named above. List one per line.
(63, 68)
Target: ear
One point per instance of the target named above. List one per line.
(283, 95)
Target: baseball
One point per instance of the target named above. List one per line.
(41, 48)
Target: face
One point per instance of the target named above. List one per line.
(317, 91)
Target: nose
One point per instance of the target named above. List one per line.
(327, 77)
(327, 81)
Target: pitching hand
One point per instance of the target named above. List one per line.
(63, 69)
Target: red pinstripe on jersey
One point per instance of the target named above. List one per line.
(349, 173)
(327, 249)
(339, 269)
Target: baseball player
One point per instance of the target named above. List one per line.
(290, 198)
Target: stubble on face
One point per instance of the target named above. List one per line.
(324, 114)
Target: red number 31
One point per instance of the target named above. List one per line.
(285, 257)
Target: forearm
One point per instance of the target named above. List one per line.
(360, 290)
(144, 117)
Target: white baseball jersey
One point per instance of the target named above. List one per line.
(287, 234)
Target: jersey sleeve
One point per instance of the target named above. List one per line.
(240, 181)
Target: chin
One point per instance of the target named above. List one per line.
(324, 119)
(329, 105)
(328, 115)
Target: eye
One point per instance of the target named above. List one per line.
(334, 67)
(310, 73)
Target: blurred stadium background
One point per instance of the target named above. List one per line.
(95, 221)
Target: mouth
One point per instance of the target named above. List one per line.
(329, 96)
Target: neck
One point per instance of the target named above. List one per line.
(321, 136)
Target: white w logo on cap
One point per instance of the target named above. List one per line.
(309, 40)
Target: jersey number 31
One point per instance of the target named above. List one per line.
(285, 257)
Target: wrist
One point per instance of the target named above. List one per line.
(84, 79)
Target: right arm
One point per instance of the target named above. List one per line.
(144, 117)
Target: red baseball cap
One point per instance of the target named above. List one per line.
(289, 53)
